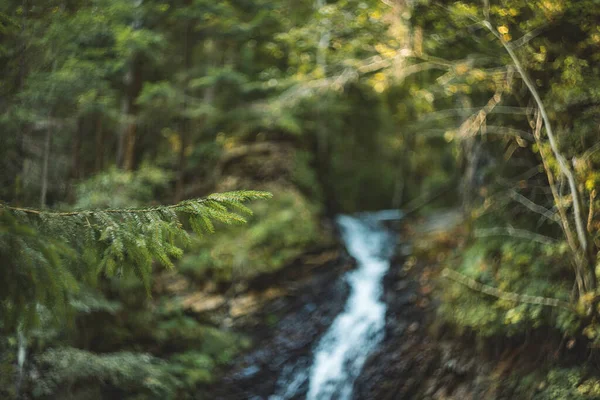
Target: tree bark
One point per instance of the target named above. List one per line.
(184, 130)
(76, 167)
(24, 130)
(127, 141)
(45, 162)
(99, 157)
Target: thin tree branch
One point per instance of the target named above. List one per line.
(591, 211)
(533, 206)
(564, 168)
(249, 195)
(556, 195)
(523, 40)
(590, 152)
(514, 232)
(510, 296)
(451, 112)
(489, 130)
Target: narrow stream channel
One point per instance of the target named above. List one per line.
(341, 353)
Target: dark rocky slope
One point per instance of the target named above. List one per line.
(285, 328)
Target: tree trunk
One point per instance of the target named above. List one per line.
(130, 139)
(322, 140)
(45, 162)
(99, 159)
(76, 167)
(184, 131)
(131, 130)
(126, 147)
(24, 130)
(76, 172)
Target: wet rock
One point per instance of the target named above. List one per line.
(402, 285)
(405, 250)
(249, 372)
(414, 327)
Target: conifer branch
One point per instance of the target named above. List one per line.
(58, 248)
(231, 198)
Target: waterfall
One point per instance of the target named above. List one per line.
(339, 356)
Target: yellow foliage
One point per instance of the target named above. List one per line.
(174, 140)
(379, 87)
(503, 29)
(461, 69)
(513, 316)
(478, 74)
(385, 50)
(551, 7)
(590, 184)
(375, 14)
(590, 387)
(449, 136)
(229, 143)
(379, 82)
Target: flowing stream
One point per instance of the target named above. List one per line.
(342, 351)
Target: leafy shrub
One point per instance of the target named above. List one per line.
(71, 373)
(558, 384)
(510, 265)
(276, 234)
(118, 188)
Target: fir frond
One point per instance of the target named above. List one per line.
(57, 249)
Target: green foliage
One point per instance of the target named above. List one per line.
(35, 271)
(115, 188)
(370, 98)
(198, 349)
(192, 368)
(109, 242)
(264, 245)
(7, 368)
(89, 300)
(78, 374)
(511, 266)
(507, 173)
(305, 178)
(558, 384)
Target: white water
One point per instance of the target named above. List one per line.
(21, 355)
(356, 332)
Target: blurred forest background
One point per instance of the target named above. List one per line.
(333, 106)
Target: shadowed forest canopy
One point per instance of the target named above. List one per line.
(133, 131)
